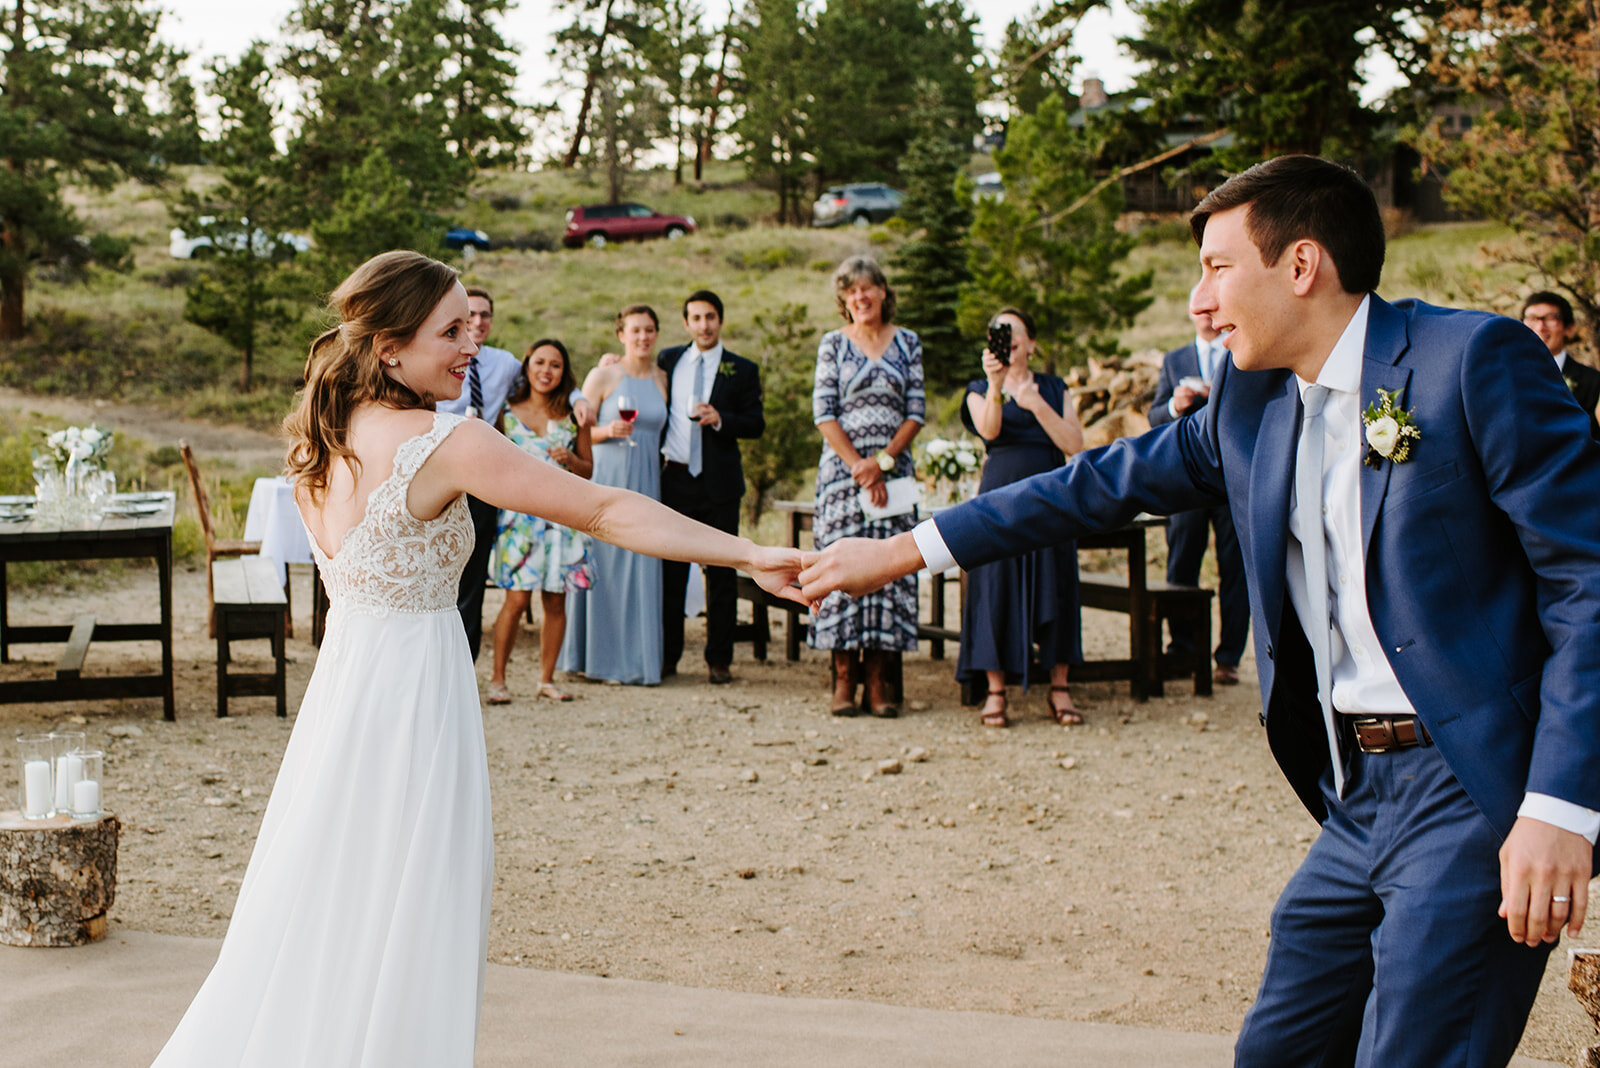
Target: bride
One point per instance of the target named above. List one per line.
(361, 928)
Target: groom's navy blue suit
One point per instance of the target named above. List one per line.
(1482, 561)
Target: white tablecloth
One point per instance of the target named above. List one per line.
(274, 521)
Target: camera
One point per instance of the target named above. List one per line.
(1000, 342)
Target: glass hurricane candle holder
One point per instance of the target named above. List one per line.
(68, 766)
(35, 784)
(88, 791)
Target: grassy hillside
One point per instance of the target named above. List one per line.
(123, 335)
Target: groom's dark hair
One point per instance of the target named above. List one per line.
(1295, 197)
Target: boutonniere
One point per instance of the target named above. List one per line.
(1572, 384)
(724, 370)
(1391, 433)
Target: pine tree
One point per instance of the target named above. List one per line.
(1051, 246)
(774, 50)
(931, 267)
(75, 80)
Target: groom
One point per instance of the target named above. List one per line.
(1425, 591)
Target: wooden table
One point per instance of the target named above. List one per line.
(145, 535)
(1141, 664)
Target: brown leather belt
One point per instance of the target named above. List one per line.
(1386, 734)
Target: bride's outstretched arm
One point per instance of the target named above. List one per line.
(476, 460)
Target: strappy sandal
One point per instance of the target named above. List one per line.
(498, 694)
(549, 690)
(1069, 716)
(996, 718)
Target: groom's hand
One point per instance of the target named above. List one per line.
(859, 565)
(1539, 863)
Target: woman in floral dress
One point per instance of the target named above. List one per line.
(868, 403)
(531, 553)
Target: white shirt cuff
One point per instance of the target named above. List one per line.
(930, 543)
(1172, 407)
(1559, 813)
(575, 396)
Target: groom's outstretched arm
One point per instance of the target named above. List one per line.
(1171, 469)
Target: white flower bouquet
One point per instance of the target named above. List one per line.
(88, 445)
(947, 464)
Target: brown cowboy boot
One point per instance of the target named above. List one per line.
(876, 693)
(844, 683)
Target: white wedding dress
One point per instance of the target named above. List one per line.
(361, 929)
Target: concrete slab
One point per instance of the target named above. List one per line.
(113, 1004)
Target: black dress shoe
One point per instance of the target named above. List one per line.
(720, 675)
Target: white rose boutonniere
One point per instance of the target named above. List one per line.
(1391, 434)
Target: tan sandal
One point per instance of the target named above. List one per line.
(996, 717)
(498, 694)
(1069, 716)
(549, 690)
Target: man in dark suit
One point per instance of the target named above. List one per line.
(713, 400)
(1186, 377)
(1550, 316)
(1419, 511)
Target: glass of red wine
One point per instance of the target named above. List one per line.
(627, 412)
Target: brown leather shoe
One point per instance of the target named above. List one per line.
(720, 675)
(1225, 675)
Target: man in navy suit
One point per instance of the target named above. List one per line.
(1425, 631)
(713, 400)
(1550, 316)
(1187, 374)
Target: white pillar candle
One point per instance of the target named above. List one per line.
(86, 798)
(36, 788)
(69, 769)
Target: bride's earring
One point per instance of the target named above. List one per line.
(393, 362)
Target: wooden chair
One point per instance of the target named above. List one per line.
(216, 548)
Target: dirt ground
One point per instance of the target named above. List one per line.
(739, 837)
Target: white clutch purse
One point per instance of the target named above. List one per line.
(905, 496)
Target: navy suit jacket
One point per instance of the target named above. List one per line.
(736, 395)
(1482, 551)
(1177, 365)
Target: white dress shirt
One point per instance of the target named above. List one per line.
(675, 446)
(1561, 362)
(1363, 681)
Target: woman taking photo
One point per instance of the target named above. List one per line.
(360, 930)
(868, 404)
(529, 553)
(1027, 605)
(614, 629)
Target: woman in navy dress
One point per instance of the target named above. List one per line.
(1023, 608)
(868, 404)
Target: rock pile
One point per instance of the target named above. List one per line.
(1113, 396)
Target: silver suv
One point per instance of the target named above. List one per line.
(858, 204)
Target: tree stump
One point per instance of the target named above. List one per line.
(1584, 981)
(58, 879)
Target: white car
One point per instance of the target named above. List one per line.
(183, 247)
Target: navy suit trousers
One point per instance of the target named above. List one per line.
(1387, 951)
(687, 494)
(1188, 534)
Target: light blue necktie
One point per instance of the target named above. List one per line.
(695, 428)
(1314, 551)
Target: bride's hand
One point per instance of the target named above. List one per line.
(777, 571)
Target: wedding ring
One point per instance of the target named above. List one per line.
(1559, 899)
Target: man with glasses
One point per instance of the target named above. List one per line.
(1550, 316)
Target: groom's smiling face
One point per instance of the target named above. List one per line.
(1250, 301)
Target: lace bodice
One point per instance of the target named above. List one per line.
(391, 561)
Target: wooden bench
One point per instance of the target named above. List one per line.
(248, 603)
(1186, 607)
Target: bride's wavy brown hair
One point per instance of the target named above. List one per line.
(382, 304)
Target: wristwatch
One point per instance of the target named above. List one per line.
(885, 461)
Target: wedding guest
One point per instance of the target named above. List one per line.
(1417, 494)
(868, 404)
(360, 930)
(531, 553)
(1022, 603)
(614, 629)
(490, 376)
(1187, 374)
(1550, 316)
(713, 400)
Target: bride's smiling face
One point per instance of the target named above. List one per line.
(433, 364)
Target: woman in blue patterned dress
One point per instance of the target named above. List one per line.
(1024, 608)
(868, 403)
(530, 553)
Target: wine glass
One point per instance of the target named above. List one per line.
(627, 411)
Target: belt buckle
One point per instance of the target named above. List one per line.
(1376, 734)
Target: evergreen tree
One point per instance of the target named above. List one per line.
(931, 267)
(774, 49)
(778, 461)
(75, 80)
(674, 51)
(181, 140)
(480, 75)
(1051, 246)
(238, 294)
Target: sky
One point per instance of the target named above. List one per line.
(207, 28)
